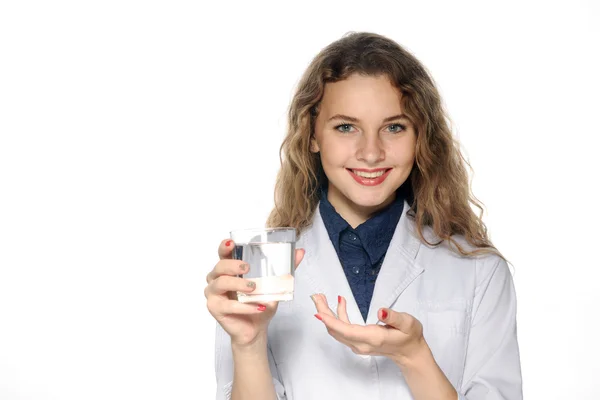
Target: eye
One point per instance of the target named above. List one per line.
(397, 128)
(343, 126)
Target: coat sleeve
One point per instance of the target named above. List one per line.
(492, 365)
(224, 367)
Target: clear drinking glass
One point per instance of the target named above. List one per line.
(270, 252)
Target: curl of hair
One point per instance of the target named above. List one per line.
(439, 190)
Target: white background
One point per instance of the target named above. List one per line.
(136, 134)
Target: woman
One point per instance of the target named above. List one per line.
(411, 299)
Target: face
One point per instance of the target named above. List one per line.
(367, 147)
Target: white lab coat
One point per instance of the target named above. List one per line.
(467, 307)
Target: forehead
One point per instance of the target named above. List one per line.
(361, 94)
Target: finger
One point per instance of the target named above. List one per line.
(341, 310)
(271, 304)
(226, 283)
(340, 338)
(227, 267)
(234, 307)
(299, 256)
(341, 330)
(363, 337)
(321, 304)
(403, 322)
(225, 249)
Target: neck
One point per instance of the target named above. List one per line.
(353, 213)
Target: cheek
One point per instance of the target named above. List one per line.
(409, 157)
(405, 154)
(402, 158)
(335, 154)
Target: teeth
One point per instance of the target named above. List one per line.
(369, 174)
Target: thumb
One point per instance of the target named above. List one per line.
(299, 256)
(225, 249)
(400, 320)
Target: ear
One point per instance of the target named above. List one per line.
(314, 146)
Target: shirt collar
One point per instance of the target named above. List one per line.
(375, 233)
(334, 223)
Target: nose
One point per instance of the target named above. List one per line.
(370, 149)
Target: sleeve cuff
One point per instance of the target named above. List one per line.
(279, 390)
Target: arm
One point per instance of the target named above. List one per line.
(250, 360)
(401, 340)
(492, 365)
(245, 373)
(251, 373)
(425, 378)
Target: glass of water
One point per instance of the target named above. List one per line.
(270, 252)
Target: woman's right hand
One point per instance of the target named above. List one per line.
(244, 322)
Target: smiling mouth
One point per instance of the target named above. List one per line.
(369, 177)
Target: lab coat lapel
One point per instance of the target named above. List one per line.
(323, 270)
(399, 267)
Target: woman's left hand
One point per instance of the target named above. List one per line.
(400, 339)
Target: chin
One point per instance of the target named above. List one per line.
(370, 199)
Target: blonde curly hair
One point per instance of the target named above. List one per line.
(439, 188)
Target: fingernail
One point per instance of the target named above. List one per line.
(339, 299)
(317, 316)
(228, 243)
(243, 267)
(383, 314)
(251, 285)
(262, 307)
(313, 297)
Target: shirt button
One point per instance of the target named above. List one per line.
(374, 271)
(356, 270)
(352, 236)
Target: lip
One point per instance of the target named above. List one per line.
(368, 170)
(369, 181)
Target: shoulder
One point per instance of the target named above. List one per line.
(306, 234)
(444, 253)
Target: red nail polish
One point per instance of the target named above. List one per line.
(383, 314)
(262, 307)
(339, 299)
(317, 316)
(228, 243)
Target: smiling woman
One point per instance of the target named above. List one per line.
(377, 189)
(377, 153)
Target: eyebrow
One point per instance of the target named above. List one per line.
(352, 119)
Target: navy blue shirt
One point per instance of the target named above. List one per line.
(361, 250)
